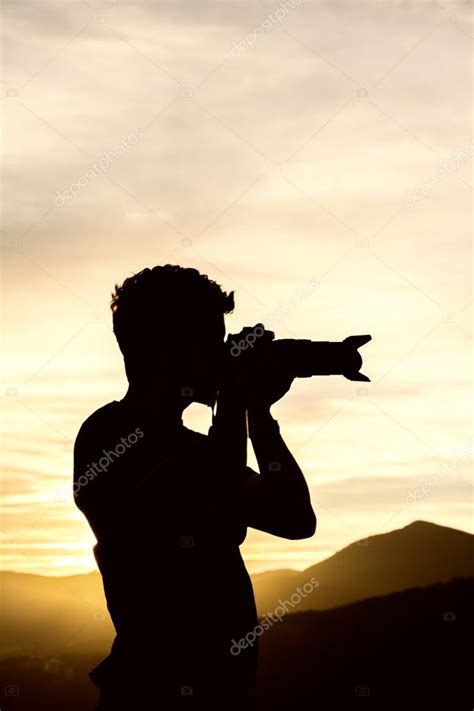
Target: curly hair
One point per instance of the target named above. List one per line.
(163, 295)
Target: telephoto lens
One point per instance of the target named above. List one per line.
(303, 358)
(295, 357)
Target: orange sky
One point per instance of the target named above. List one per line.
(333, 148)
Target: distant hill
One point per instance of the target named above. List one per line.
(419, 554)
(42, 613)
(408, 650)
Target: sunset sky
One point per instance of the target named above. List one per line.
(329, 143)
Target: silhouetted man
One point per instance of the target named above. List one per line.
(170, 507)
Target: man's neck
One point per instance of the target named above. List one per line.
(161, 403)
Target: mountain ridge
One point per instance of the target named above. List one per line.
(74, 607)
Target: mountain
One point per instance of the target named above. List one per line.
(407, 650)
(43, 613)
(54, 614)
(420, 554)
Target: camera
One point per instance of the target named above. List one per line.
(300, 358)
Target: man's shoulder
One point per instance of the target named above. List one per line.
(97, 421)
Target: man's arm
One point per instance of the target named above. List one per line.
(228, 432)
(277, 500)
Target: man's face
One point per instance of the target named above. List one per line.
(203, 358)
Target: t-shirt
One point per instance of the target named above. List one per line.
(169, 522)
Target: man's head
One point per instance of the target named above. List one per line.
(169, 324)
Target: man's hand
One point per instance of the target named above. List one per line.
(251, 371)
